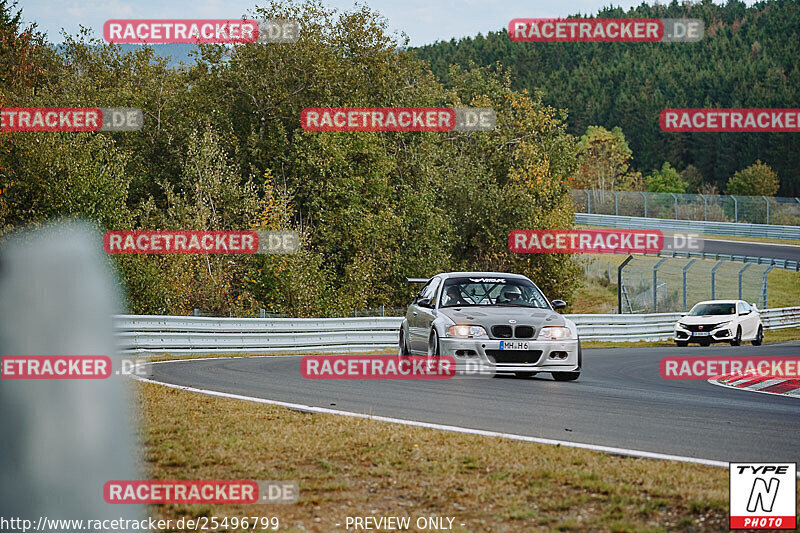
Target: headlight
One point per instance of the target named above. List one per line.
(466, 332)
(684, 326)
(724, 324)
(555, 333)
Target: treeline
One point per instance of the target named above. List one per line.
(222, 148)
(749, 58)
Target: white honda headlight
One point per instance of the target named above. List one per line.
(555, 333)
(723, 325)
(466, 332)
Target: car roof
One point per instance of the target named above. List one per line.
(480, 274)
(720, 302)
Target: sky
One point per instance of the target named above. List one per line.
(424, 21)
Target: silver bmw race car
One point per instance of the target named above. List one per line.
(493, 318)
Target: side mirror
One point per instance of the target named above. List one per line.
(424, 302)
(559, 304)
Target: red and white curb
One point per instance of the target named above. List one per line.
(763, 384)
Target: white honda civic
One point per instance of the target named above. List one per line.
(730, 321)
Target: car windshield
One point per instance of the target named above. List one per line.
(713, 309)
(491, 291)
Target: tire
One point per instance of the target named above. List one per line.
(737, 340)
(403, 347)
(759, 337)
(433, 344)
(570, 376)
(682, 344)
(525, 374)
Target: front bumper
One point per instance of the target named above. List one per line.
(540, 355)
(720, 334)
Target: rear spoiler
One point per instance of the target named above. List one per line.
(417, 280)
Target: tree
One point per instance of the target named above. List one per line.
(693, 178)
(665, 180)
(756, 180)
(604, 161)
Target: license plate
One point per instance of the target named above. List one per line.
(701, 334)
(513, 345)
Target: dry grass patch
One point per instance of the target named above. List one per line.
(357, 467)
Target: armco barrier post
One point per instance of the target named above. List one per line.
(57, 297)
(655, 284)
(619, 283)
(686, 269)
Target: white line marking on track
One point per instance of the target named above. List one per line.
(456, 429)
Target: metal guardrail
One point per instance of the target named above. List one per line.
(769, 231)
(758, 260)
(180, 335)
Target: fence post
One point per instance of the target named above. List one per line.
(588, 202)
(735, 209)
(714, 278)
(748, 265)
(196, 312)
(262, 313)
(655, 284)
(644, 197)
(764, 288)
(766, 200)
(676, 205)
(685, 270)
(705, 207)
(616, 203)
(619, 283)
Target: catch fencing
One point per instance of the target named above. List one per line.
(702, 207)
(657, 284)
(181, 335)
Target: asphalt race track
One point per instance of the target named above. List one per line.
(758, 249)
(620, 401)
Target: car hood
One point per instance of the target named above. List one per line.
(707, 319)
(492, 316)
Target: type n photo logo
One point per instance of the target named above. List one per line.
(763, 495)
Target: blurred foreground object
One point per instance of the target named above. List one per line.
(62, 439)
